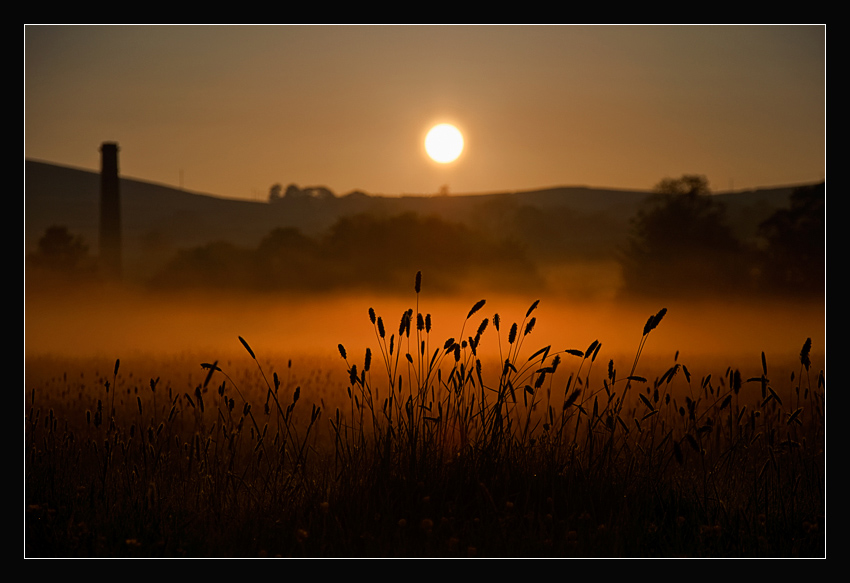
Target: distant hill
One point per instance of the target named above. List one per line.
(158, 220)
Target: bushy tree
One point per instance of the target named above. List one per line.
(59, 250)
(370, 249)
(358, 252)
(295, 193)
(794, 260)
(681, 244)
(275, 192)
(286, 258)
(219, 265)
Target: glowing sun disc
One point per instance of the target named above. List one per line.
(444, 143)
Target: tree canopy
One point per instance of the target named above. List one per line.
(794, 259)
(680, 242)
(59, 250)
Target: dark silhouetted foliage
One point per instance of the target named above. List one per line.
(286, 258)
(360, 251)
(293, 192)
(60, 251)
(794, 260)
(367, 249)
(275, 192)
(681, 244)
(217, 265)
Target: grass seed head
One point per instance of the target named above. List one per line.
(804, 354)
(248, 348)
(475, 308)
(653, 321)
(482, 327)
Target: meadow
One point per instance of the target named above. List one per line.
(486, 442)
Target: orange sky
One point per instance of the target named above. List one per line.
(234, 110)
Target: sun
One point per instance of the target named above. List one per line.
(444, 143)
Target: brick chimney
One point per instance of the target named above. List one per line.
(110, 212)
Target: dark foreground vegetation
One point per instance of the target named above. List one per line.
(431, 451)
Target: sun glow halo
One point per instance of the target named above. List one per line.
(444, 143)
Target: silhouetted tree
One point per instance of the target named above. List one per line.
(680, 243)
(219, 265)
(381, 251)
(794, 260)
(358, 252)
(274, 192)
(293, 192)
(60, 251)
(288, 259)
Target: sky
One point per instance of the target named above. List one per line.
(232, 110)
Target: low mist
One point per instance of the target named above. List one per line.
(732, 288)
(112, 323)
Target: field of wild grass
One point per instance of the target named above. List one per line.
(418, 446)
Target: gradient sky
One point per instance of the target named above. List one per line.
(235, 109)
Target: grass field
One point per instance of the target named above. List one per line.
(484, 444)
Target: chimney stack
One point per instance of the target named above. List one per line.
(110, 212)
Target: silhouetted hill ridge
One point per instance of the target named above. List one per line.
(157, 220)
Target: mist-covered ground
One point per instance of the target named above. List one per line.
(111, 323)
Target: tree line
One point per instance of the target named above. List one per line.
(679, 245)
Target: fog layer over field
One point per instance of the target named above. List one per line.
(109, 324)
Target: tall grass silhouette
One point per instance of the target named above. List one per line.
(473, 445)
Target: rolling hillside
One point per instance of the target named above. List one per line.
(158, 220)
